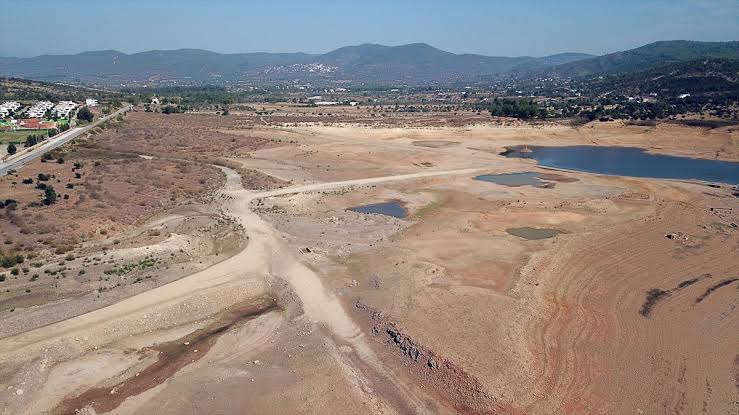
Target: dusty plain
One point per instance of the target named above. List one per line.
(211, 264)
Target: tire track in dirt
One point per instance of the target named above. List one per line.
(589, 324)
(264, 255)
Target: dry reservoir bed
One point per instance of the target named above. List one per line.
(416, 270)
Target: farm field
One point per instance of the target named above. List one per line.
(18, 136)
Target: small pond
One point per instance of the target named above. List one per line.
(629, 161)
(533, 233)
(392, 208)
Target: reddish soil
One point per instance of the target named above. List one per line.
(173, 356)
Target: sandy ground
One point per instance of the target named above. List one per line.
(631, 309)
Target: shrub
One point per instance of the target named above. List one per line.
(49, 195)
(62, 249)
(11, 261)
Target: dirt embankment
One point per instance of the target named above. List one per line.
(173, 356)
(450, 381)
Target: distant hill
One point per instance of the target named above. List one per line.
(703, 77)
(112, 67)
(13, 89)
(646, 57)
(419, 63)
(414, 64)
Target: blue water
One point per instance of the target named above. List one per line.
(513, 179)
(392, 208)
(630, 161)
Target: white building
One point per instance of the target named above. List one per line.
(38, 110)
(63, 108)
(90, 102)
(8, 107)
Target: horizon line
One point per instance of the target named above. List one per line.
(349, 46)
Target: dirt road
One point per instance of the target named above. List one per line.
(265, 255)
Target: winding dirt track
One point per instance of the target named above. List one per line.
(264, 255)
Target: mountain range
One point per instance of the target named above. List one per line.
(412, 64)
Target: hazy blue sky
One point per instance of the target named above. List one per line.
(509, 28)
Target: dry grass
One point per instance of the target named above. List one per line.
(109, 192)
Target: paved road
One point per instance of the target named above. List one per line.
(61, 139)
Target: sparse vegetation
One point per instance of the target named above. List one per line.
(653, 297)
(124, 269)
(714, 288)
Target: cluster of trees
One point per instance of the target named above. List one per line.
(60, 128)
(518, 108)
(84, 114)
(50, 195)
(668, 108)
(171, 109)
(34, 139)
(205, 96)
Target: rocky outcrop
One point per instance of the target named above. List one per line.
(449, 380)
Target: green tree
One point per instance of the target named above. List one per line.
(32, 140)
(11, 148)
(85, 114)
(49, 195)
(169, 109)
